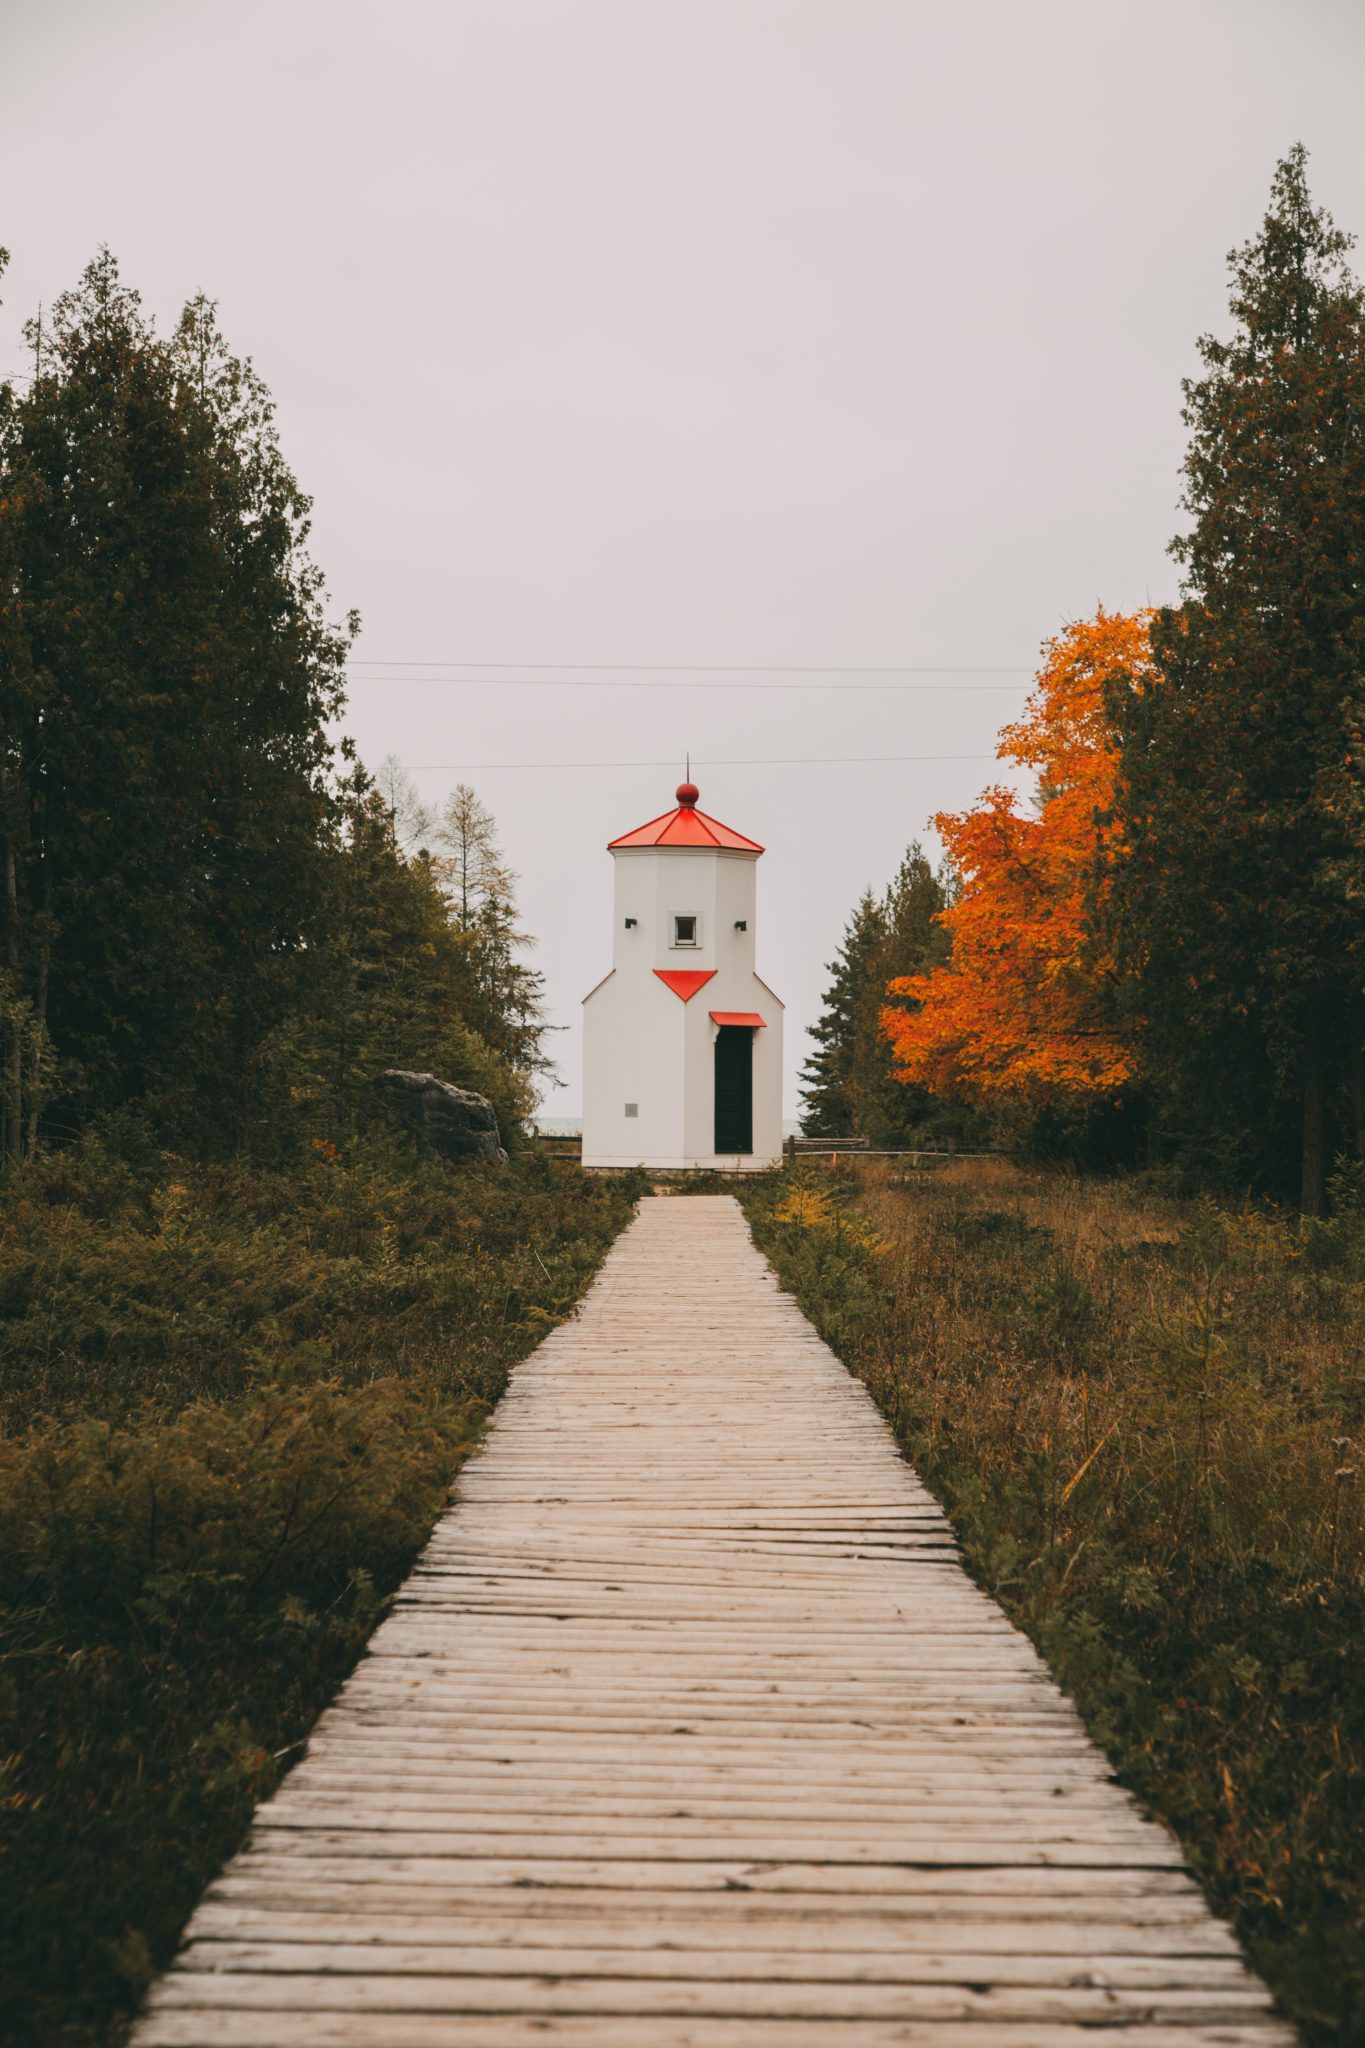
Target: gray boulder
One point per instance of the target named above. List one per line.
(444, 1121)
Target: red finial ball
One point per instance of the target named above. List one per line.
(688, 794)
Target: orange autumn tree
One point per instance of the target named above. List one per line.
(1020, 1010)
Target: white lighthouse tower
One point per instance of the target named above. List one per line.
(682, 1043)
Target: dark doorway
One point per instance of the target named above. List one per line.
(735, 1088)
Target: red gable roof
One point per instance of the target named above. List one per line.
(687, 826)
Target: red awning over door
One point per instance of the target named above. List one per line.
(750, 1018)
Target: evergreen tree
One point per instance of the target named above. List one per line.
(390, 966)
(1237, 895)
(503, 999)
(197, 916)
(848, 1083)
(414, 822)
(889, 1111)
(167, 675)
(826, 1092)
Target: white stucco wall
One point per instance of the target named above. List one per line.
(633, 1039)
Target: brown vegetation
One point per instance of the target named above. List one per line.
(1144, 1415)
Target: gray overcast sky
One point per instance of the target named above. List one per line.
(692, 331)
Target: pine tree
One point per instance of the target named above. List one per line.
(1237, 893)
(502, 998)
(25, 1061)
(888, 1109)
(167, 676)
(826, 1094)
(198, 919)
(386, 987)
(848, 1084)
(414, 822)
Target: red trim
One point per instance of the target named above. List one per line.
(684, 981)
(749, 1018)
(686, 827)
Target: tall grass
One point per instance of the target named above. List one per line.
(233, 1404)
(1144, 1417)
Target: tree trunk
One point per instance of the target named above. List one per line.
(1313, 1195)
(1358, 1097)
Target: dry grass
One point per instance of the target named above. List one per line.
(1144, 1415)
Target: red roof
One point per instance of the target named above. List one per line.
(684, 981)
(748, 1018)
(687, 826)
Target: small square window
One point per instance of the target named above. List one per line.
(684, 931)
(632, 1109)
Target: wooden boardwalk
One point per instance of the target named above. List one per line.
(690, 1731)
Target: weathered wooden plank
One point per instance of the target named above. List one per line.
(1038, 1899)
(1000, 1758)
(649, 1924)
(990, 1767)
(925, 1771)
(689, 1731)
(346, 1860)
(438, 1792)
(1103, 1969)
(305, 1859)
(224, 2029)
(365, 1830)
(393, 1992)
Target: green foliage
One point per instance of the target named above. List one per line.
(826, 1078)
(501, 996)
(169, 674)
(243, 1342)
(199, 918)
(1143, 1417)
(848, 1087)
(1238, 893)
(235, 1398)
(388, 985)
(124, 1284)
(181, 1597)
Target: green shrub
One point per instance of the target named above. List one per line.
(236, 1400)
(123, 1287)
(181, 1598)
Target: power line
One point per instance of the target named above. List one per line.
(749, 761)
(598, 674)
(759, 668)
(504, 682)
